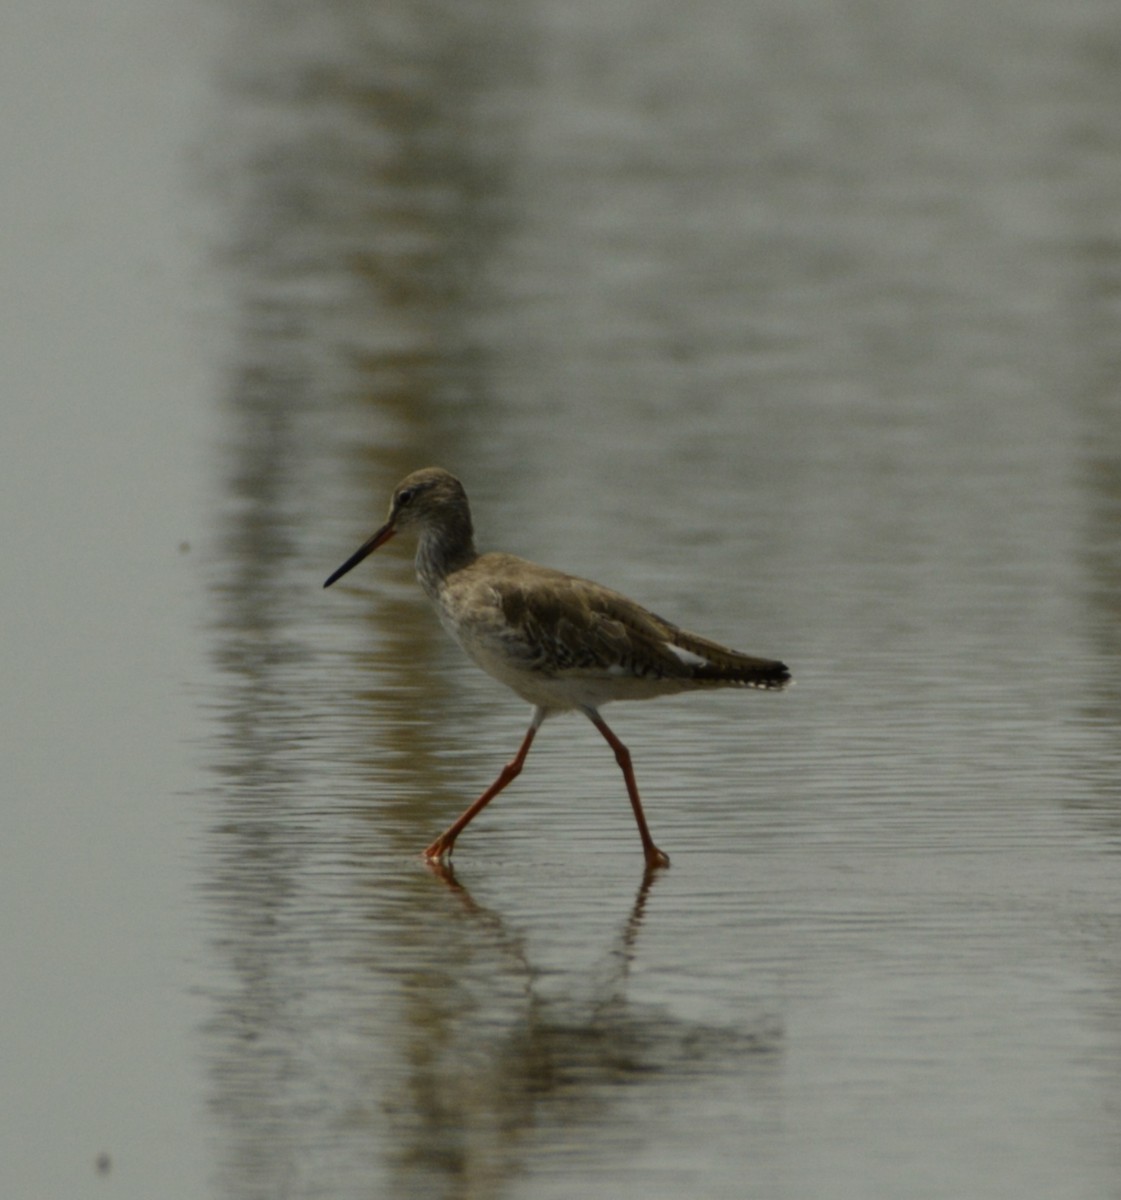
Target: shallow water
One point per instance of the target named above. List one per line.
(797, 324)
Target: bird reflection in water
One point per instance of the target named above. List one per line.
(516, 1051)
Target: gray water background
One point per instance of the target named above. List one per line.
(797, 322)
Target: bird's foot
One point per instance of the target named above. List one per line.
(655, 858)
(440, 851)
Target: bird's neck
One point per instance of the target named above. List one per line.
(443, 550)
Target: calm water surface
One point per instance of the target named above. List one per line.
(797, 324)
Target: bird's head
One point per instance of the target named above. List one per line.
(431, 499)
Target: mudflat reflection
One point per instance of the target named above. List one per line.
(424, 1046)
(492, 1071)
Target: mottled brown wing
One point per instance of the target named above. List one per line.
(570, 624)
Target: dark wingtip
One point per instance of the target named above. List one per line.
(775, 677)
(758, 673)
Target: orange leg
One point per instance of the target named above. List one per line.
(654, 856)
(442, 847)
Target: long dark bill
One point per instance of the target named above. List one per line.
(367, 548)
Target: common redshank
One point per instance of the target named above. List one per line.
(560, 642)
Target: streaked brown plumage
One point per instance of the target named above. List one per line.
(559, 641)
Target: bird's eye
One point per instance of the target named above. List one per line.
(405, 497)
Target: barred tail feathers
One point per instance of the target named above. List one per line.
(708, 662)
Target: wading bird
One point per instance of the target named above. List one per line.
(560, 642)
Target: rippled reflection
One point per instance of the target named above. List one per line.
(496, 1061)
(420, 1034)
